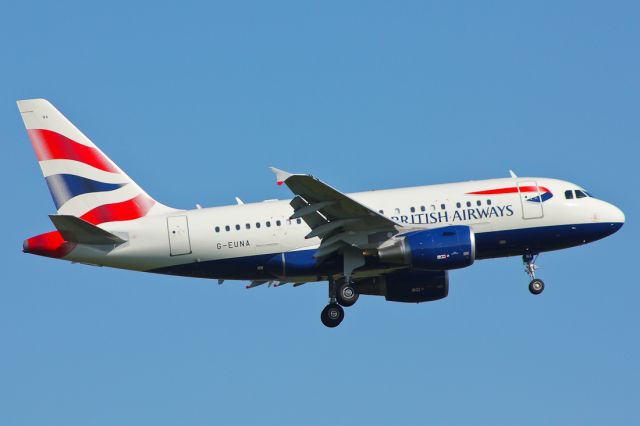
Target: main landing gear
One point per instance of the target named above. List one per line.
(536, 286)
(344, 294)
(347, 295)
(332, 315)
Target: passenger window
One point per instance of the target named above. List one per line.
(488, 202)
(580, 194)
(422, 208)
(237, 227)
(298, 221)
(458, 205)
(227, 228)
(478, 203)
(442, 206)
(397, 210)
(381, 211)
(278, 223)
(257, 224)
(217, 229)
(568, 195)
(248, 226)
(413, 209)
(468, 203)
(433, 207)
(268, 224)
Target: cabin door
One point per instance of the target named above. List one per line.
(530, 199)
(179, 243)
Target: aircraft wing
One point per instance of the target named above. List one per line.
(337, 219)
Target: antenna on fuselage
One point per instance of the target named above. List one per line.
(513, 174)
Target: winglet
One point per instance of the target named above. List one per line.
(281, 175)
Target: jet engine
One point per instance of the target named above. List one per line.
(440, 249)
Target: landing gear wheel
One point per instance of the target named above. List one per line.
(536, 286)
(332, 315)
(347, 295)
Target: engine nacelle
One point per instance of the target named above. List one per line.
(408, 286)
(450, 247)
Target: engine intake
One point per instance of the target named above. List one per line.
(450, 247)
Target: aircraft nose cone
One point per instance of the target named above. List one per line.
(615, 217)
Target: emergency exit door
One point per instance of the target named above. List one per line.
(179, 243)
(530, 199)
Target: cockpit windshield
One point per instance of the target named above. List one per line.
(570, 194)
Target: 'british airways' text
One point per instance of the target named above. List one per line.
(459, 215)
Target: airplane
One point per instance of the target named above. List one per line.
(396, 243)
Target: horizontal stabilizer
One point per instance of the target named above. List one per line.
(76, 230)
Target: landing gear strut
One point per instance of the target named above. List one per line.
(343, 294)
(333, 314)
(536, 286)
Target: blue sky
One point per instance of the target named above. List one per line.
(195, 101)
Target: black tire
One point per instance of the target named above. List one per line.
(536, 286)
(347, 295)
(332, 315)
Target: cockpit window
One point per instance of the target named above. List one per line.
(580, 194)
(568, 195)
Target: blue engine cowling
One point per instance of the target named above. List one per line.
(440, 249)
(407, 286)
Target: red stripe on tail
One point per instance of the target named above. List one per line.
(127, 210)
(50, 145)
(50, 244)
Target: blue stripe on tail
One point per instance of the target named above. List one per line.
(64, 187)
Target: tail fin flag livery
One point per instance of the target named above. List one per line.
(83, 181)
(400, 244)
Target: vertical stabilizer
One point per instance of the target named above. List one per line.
(83, 181)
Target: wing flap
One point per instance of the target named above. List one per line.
(310, 209)
(313, 219)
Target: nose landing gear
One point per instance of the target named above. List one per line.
(536, 286)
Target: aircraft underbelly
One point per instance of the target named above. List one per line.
(514, 242)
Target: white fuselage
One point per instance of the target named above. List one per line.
(248, 231)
